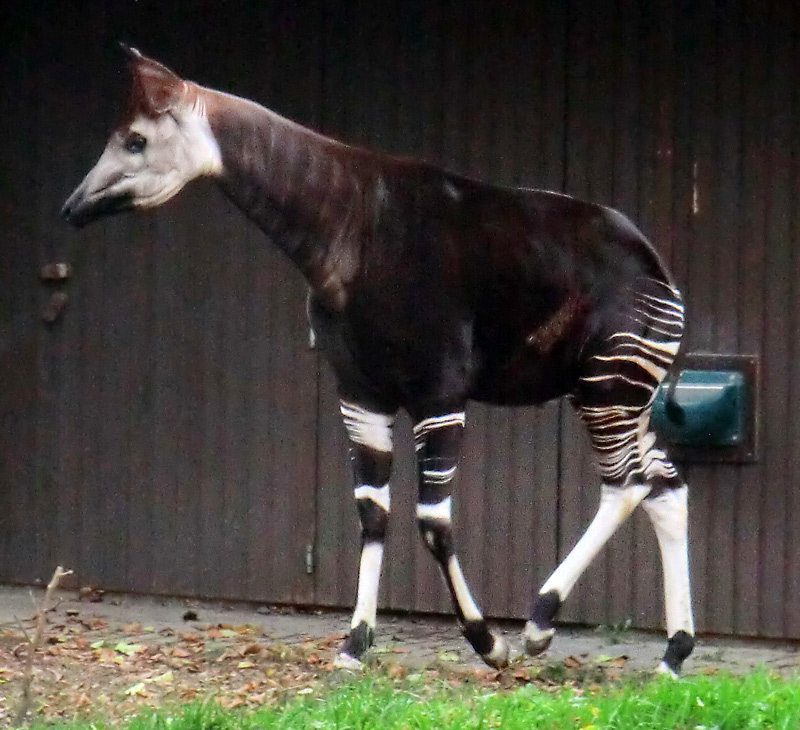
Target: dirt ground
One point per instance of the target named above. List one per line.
(112, 654)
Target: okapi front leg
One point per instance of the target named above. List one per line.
(371, 453)
(438, 442)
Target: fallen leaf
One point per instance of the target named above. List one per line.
(572, 662)
(106, 655)
(396, 671)
(137, 689)
(123, 647)
(93, 595)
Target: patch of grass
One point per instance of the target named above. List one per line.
(617, 633)
(720, 702)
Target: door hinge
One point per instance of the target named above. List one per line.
(309, 559)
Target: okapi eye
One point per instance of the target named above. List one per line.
(135, 143)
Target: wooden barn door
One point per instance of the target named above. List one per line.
(161, 436)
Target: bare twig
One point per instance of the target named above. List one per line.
(35, 644)
(21, 627)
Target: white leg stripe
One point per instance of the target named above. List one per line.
(465, 601)
(379, 495)
(373, 430)
(616, 503)
(669, 514)
(432, 476)
(368, 578)
(451, 419)
(429, 424)
(439, 511)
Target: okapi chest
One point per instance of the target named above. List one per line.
(427, 290)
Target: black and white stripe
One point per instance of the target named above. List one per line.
(619, 383)
(438, 441)
(370, 435)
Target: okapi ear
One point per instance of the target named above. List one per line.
(156, 89)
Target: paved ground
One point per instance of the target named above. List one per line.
(415, 641)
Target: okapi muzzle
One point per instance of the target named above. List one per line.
(92, 200)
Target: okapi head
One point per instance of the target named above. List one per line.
(162, 142)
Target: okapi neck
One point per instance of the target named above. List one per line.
(305, 191)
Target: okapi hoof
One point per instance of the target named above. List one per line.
(498, 657)
(663, 669)
(358, 641)
(347, 662)
(536, 640)
(680, 645)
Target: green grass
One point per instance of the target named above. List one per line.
(697, 703)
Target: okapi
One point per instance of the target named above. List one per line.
(428, 289)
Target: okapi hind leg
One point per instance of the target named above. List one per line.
(370, 434)
(438, 442)
(669, 514)
(626, 449)
(616, 503)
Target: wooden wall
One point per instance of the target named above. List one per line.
(174, 434)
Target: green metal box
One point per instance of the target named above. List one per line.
(709, 409)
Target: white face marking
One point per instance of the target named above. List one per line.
(379, 495)
(441, 511)
(616, 503)
(373, 430)
(177, 147)
(669, 514)
(369, 575)
(465, 601)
